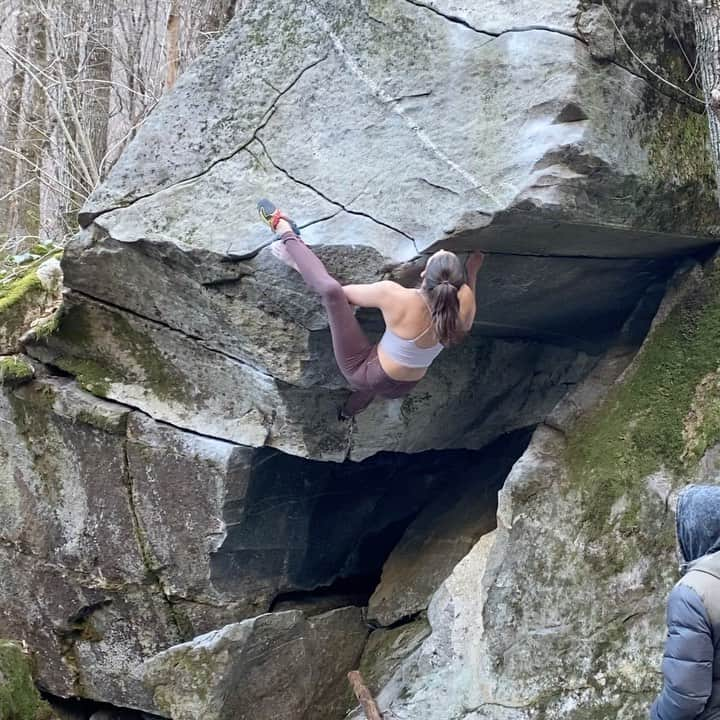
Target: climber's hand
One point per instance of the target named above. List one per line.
(474, 263)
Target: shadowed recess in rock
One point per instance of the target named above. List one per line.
(64, 709)
(332, 526)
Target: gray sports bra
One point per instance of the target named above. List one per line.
(406, 352)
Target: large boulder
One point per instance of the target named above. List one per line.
(387, 130)
(158, 453)
(475, 393)
(121, 536)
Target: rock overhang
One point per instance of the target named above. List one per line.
(387, 130)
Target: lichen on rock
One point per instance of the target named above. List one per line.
(662, 415)
(15, 370)
(19, 698)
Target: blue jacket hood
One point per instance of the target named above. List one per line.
(698, 521)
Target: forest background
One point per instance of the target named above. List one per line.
(77, 80)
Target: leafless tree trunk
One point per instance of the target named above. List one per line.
(707, 27)
(11, 162)
(96, 90)
(219, 13)
(27, 220)
(172, 44)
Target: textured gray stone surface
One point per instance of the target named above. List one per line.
(476, 392)
(442, 534)
(389, 129)
(281, 665)
(121, 536)
(372, 95)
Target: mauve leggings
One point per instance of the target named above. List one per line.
(356, 356)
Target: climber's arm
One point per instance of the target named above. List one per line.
(381, 294)
(466, 294)
(468, 308)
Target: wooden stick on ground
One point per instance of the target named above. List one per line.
(363, 695)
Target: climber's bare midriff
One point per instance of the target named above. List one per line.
(397, 371)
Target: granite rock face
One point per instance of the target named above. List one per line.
(121, 536)
(387, 130)
(160, 490)
(442, 534)
(280, 665)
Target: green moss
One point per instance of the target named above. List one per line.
(12, 293)
(19, 698)
(15, 370)
(92, 376)
(98, 360)
(643, 424)
(679, 149)
(18, 296)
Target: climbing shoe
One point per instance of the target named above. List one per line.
(271, 215)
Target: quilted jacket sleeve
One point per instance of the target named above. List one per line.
(688, 661)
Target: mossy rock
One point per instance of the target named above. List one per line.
(662, 416)
(19, 698)
(101, 348)
(15, 370)
(16, 301)
(21, 299)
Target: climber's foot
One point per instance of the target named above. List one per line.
(279, 250)
(272, 215)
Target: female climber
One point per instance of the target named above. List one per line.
(419, 322)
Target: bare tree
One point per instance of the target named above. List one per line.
(97, 86)
(77, 78)
(10, 180)
(706, 14)
(172, 39)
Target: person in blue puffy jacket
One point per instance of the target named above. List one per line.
(691, 664)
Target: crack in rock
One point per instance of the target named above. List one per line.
(330, 200)
(520, 28)
(146, 554)
(196, 338)
(85, 219)
(438, 187)
(559, 31)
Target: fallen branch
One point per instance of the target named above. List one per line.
(364, 697)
